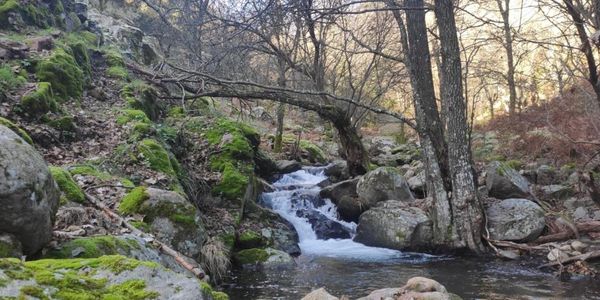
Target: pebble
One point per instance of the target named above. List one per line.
(578, 246)
(556, 254)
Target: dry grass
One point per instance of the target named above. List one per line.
(215, 258)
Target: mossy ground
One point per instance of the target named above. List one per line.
(129, 115)
(67, 186)
(74, 278)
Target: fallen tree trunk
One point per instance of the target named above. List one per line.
(585, 227)
(181, 259)
(582, 257)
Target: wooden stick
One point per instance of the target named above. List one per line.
(582, 257)
(584, 227)
(179, 258)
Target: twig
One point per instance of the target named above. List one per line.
(582, 257)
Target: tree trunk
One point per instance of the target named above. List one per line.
(281, 82)
(467, 212)
(508, 46)
(353, 150)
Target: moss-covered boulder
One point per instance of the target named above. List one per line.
(63, 72)
(69, 189)
(39, 101)
(263, 257)
(10, 246)
(129, 115)
(106, 277)
(250, 239)
(115, 63)
(15, 15)
(169, 216)
(22, 133)
(139, 95)
(28, 194)
(157, 157)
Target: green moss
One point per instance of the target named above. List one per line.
(233, 183)
(228, 240)
(208, 291)
(34, 291)
(250, 239)
(220, 296)
(39, 101)
(114, 58)
(91, 247)
(7, 6)
(176, 112)
(141, 129)
(142, 96)
(141, 225)
(89, 170)
(251, 256)
(66, 184)
(156, 156)
(133, 289)
(63, 72)
(80, 53)
(128, 115)
(133, 200)
(9, 80)
(315, 153)
(117, 72)
(514, 164)
(66, 123)
(22, 133)
(37, 15)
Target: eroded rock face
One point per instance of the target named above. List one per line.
(392, 224)
(383, 184)
(515, 220)
(28, 194)
(503, 182)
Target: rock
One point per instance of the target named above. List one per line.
(288, 166)
(382, 145)
(265, 166)
(417, 183)
(107, 277)
(41, 43)
(10, 49)
(350, 208)
(324, 227)
(581, 214)
(392, 224)
(557, 191)
(415, 288)
(515, 220)
(546, 175)
(28, 194)
(337, 171)
(169, 216)
(382, 184)
(503, 182)
(261, 113)
(268, 258)
(320, 294)
(407, 153)
(10, 246)
(557, 254)
(336, 191)
(578, 246)
(509, 254)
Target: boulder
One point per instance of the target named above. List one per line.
(10, 246)
(557, 191)
(320, 294)
(504, 182)
(169, 216)
(546, 175)
(515, 220)
(265, 166)
(336, 191)
(28, 194)
(392, 224)
(337, 171)
(266, 258)
(415, 288)
(106, 277)
(382, 145)
(288, 166)
(417, 183)
(41, 43)
(382, 184)
(324, 227)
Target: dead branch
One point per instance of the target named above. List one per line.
(179, 258)
(582, 257)
(585, 227)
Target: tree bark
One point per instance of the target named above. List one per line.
(467, 212)
(508, 46)
(281, 82)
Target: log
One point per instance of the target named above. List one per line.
(584, 227)
(181, 259)
(582, 257)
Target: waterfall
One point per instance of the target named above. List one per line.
(296, 199)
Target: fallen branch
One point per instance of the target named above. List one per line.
(585, 227)
(582, 257)
(179, 258)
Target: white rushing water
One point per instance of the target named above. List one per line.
(293, 193)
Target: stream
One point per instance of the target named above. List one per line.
(345, 267)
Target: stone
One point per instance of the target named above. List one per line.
(415, 288)
(557, 255)
(106, 277)
(578, 246)
(343, 195)
(41, 43)
(319, 294)
(503, 182)
(417, 183)
(581, 214)
(324, 227)
(28, 194)
(288, 166)
(10, 246)
(546, 175)
(515, 220)
(557, 191)
(382, 184)
(337, 171)
(382, 145)
(392, 224)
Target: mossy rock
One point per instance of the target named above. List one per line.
(209, 293)
(80, 53)
(10, 247)
(105, 277)
(70, 190)
(63, 72)
(233, 183)
(91, 170)
(156, 156)
(63, 124)
(39, 101)
(129, 115)
(250, 239)
(95, 246)
(132, 201)
(117, 72)
(6, 7)
(314, 153)
(251, 256)
(139, 95)
(22, 133)
(114, 58)
(30, 14)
